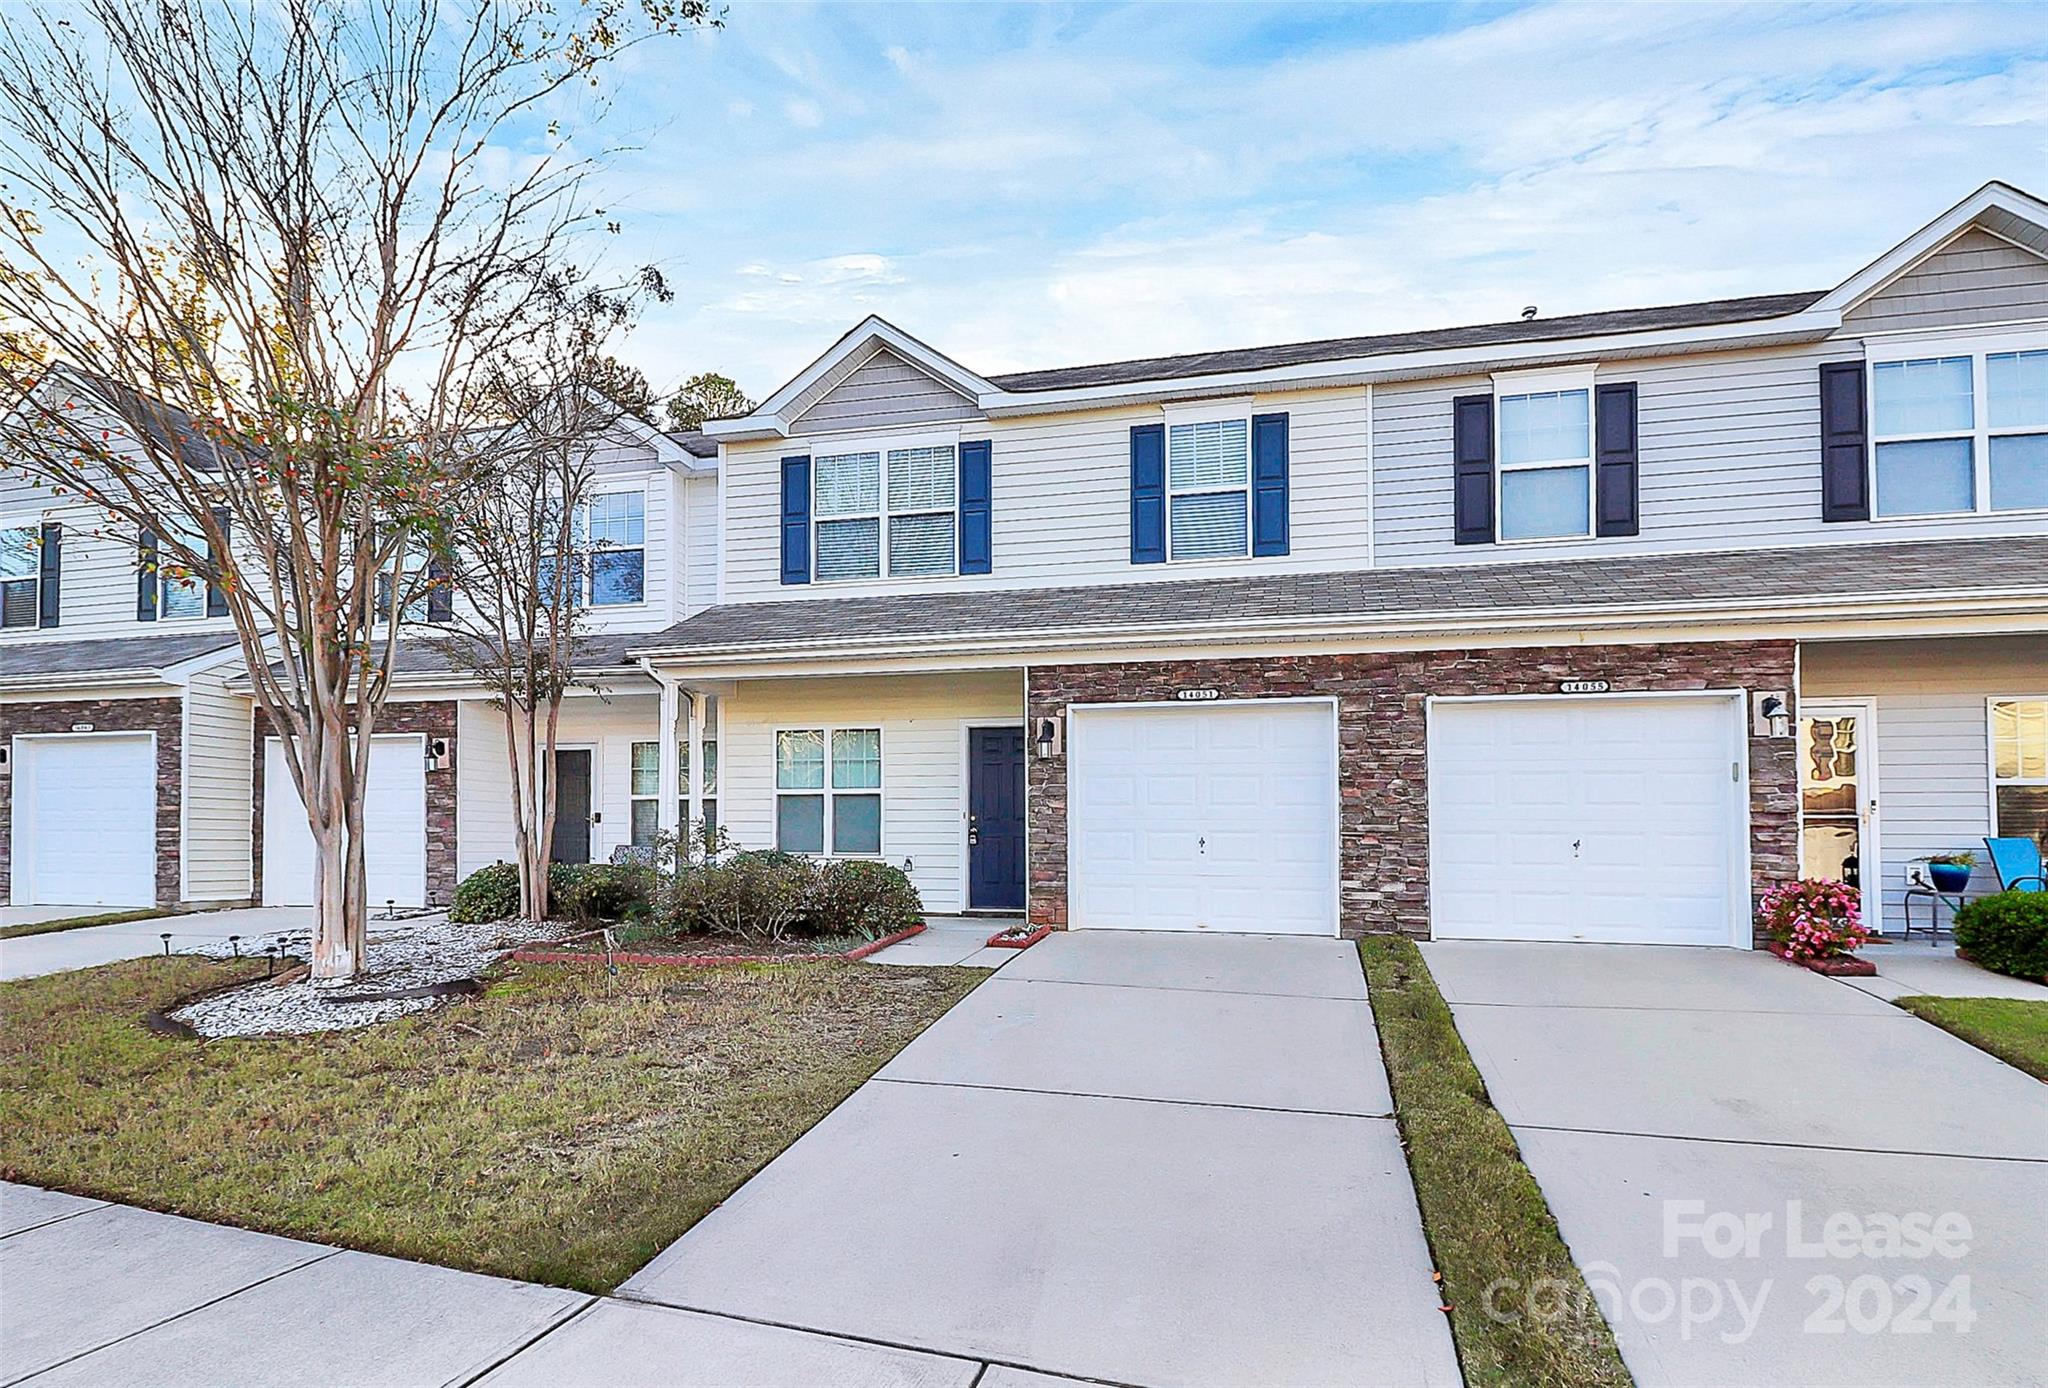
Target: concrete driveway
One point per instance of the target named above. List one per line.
(1696, 1117)
(1154, 1159)
(30, 955)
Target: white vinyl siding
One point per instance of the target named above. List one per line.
(609, 726)
(881, 392)
(219, 733)
(1976, 278)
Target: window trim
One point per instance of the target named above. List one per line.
(32, 522)
(1547, 380)
(828, 792)
(646, 547)
(1235, 409)
(1892, 349)
(881, 444)
(1992, 780)
(633, 798)
(164, 584)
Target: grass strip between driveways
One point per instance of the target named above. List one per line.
(2013, 1029)
(563, 1126)
(1485, 1217)
(147, 913)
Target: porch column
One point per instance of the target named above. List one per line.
(665, 807)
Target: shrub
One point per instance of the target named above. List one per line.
(1814, 919)
(754, 896)
(600, 891)
(2007, 933)
(863, 898)
(491, 893)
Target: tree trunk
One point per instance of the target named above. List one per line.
(338, 885)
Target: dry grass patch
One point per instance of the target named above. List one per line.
(563, 1127)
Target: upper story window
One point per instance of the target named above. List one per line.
(1545, 470)
(893, 511)
(181, 593)
(1961, 431)
(1208, 489)
(21, 576)
(610, 530)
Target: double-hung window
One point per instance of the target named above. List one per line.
(644, 790)
(887, 510)
(1961, 430)
(609, 534)
(1208, 488)
(181, 591)
(1545, 452)
(21, 570)
(707, 791)
(828, 790)
(2019, 767)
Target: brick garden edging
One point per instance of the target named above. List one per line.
(564, 956)
(1004, 940)
(164, 717)
(1383, 772)
(1834, 966)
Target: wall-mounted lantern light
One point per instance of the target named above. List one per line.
(1046, 737)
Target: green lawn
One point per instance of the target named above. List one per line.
(1484, 1215)
(147, 913)
(2013, 1029)
(562, 1127)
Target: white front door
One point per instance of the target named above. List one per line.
(1220, 817)
(1838, 793)
(1602, 819)
(394, 827)
(85, 820)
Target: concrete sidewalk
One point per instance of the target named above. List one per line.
(1153, 1159)
(1697, 1116)
(28, 956)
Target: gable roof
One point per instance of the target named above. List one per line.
(1999, 208)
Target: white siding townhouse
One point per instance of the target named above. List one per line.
(1577, 628)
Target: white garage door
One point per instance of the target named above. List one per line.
(394, 827)
(1219, 818)
(85, 820)
(1614, 820)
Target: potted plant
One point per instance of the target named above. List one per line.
(1950, 872)
(1817, 924)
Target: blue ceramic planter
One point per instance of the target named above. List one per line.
(1948, 877)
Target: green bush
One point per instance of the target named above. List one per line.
(855, 897)
(2006, 933)
(752, 896)
(490, 893)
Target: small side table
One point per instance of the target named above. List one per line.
(1935, 901)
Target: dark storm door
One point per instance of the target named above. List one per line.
(995, 819)
(572, 805)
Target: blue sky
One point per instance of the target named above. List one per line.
(1043, 185)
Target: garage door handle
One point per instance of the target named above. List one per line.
(1201, 845)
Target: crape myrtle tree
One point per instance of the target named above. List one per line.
(523, 561)
(258, 258)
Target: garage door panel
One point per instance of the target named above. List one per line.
(1609, 819)
(85, 820)
(394, 827)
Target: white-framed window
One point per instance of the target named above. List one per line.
(707, 793)
(1960, 427)
(180, 592)
(1208, 487)
(644, 793)
(828, 791)
(886, 509)
(2019, 767)
(1543, 455)
(609, 531)
(21, 577)
(413, 584)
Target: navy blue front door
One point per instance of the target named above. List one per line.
(995, 819)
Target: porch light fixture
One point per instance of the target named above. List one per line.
(1047, 738)
(1770, 713)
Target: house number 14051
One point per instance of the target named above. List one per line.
(1582, 687)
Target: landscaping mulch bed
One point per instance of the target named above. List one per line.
(1834, 966)
(704, 951)
(1018, 938)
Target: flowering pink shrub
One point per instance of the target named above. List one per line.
(1814, 919)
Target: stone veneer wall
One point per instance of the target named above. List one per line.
(435, 719)
(1382, 773)
(164, 717)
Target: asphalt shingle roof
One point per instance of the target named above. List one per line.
(1703, 314)
(1818, 572)
(24, 658)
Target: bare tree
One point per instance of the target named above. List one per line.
(524, 560)
(265, 254)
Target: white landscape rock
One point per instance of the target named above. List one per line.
(402, 954)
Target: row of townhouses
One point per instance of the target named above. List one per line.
(1571, 628)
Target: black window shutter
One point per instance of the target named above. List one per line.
(977, 547)
(796, 520)
(1617, 490)
(145, 576)
(48, 602)
(216, 596)
(1472, 469)
(440, 596)
(1148, 494)
(1844, 440)
(1269, 484)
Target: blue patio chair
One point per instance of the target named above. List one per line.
(2017, 861)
